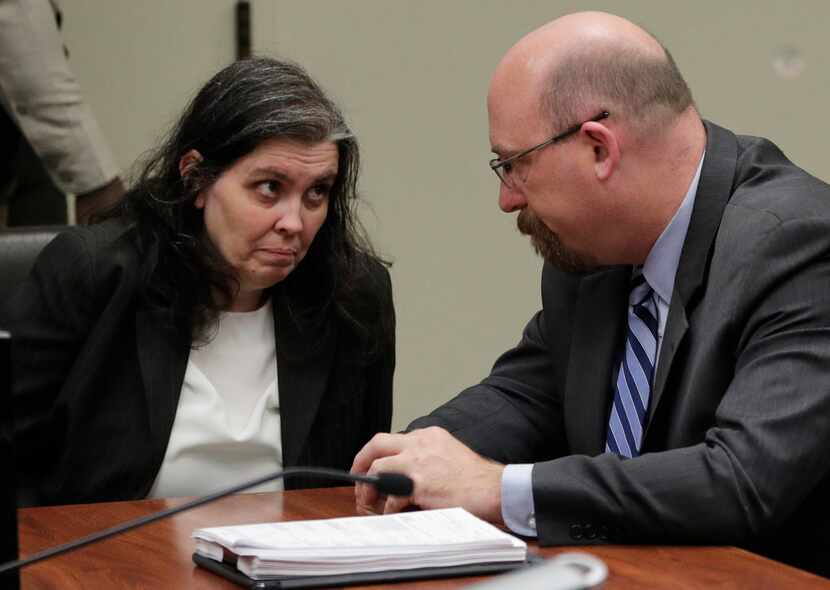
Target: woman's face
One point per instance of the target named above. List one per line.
(263, 212)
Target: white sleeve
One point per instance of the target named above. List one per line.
(42, 96)
(517, 508)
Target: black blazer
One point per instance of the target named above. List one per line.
(98, 376)
(736, 444)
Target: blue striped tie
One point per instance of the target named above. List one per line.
(632, 388)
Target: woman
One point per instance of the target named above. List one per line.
(227, 320)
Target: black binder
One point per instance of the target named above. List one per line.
(229, 571)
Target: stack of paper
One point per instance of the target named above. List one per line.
(429, 538)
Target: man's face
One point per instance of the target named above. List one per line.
(549, 190)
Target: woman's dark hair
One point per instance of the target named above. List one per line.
(246, 103)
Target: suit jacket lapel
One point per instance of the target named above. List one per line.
(600, 315)
(162, 358)
(713, 193)
(305, 354)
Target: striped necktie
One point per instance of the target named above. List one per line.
(632, 387)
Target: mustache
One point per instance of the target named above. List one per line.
(547, 244)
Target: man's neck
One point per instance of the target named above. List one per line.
(672, 163)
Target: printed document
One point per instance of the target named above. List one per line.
(428, 538)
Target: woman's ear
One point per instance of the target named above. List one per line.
(186, 164)
(606, 149)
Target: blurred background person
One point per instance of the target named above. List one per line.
(227, 319)
(50, 143)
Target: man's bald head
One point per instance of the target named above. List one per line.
(583, 63)
(604, 195)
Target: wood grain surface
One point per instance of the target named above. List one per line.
(159, 555)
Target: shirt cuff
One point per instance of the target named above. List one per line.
(517, 507)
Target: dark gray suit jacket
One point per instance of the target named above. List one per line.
(737, 444)
(98, 375)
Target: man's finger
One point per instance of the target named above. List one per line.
(369, 499)
(365, 496)
(376, 507)
(395, 504)
(381, 445)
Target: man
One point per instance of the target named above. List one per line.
(51, 144)
(675, 387)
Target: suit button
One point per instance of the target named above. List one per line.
(604, 533)
(576, 532)
(590, 531)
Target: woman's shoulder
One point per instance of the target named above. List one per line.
(100, 236)
(93, 249)
(371, 298)
(372, 273)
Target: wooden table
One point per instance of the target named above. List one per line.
(158, 555)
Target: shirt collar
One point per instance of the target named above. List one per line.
(660, 266)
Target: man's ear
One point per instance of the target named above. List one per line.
(186, 164)
(606, 149)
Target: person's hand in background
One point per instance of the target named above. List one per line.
(98, 200)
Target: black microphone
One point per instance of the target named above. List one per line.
(392, 484)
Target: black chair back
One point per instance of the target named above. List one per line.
(19, 247)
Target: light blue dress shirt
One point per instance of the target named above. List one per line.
(659, 269)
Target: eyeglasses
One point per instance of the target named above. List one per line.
(506, 170)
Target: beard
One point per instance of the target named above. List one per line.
(548, 245)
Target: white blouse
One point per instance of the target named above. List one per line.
(227, 425)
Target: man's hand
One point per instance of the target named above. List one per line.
(446, 473)
(98, 200)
